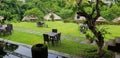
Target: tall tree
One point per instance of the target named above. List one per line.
(92, 13)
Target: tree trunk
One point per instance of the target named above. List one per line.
(91, 24)
(99, 36)
(99, 42)
(100, 51)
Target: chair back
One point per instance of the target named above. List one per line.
(0, 25)
(46, 38)
(40, 23)
(8, 29)
(54, 30)
(58, 36)
(10, 26)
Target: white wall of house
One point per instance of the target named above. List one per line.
(92, 0)
(22, 0)
(105, 1)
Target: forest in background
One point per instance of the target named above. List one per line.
(14, 10)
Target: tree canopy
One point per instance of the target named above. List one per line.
(14, 9)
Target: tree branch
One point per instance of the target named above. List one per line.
(79, 2)
(97, 10)
(82, 13)
(93, 10)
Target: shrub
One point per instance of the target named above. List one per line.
(92, 53)
(111, 13)
(36, 12)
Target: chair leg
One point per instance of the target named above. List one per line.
(53, 42)
(48, 42)
(10, 32)
(44, 42)
(59, 41)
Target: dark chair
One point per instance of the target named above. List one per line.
(54, 30)
(2, 32)
(46, 38)
(10, 26)
(40, 23)
(0, 25)
(58, 37)
(8, 30)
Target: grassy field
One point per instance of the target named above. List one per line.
(29, 33)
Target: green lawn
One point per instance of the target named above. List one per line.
(24, 37)
(22, 33)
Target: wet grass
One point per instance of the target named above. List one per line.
(68, 30)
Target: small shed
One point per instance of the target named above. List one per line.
(48, 16)
(116, 20)
(30, 18)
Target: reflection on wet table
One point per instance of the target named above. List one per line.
(19, 51)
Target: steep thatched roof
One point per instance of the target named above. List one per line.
(101, 19)
(116, 20)
(48, 16)
(80, 18)
(30, 17)
(1, 18)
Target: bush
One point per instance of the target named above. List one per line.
(92, 53)
(111, 13)
(66, 13)
(36, 12)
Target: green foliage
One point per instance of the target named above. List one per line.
(9, 8)
(111, 13)
(16, 17)
(22, 33)
(88, 10)
(91, 53)
(36, 12)
(13, 9)
(5, 14)
(108, 13)
(103, 30)
(66, 13)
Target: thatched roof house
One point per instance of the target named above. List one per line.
(116, 20)
(79, 18)
(1, 18)
(48, 16)
(30, 18)
(101, 20)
